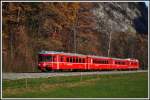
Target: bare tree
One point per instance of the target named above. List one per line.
(75, 31)
(105, 27)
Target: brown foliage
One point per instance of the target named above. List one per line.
(31, 27)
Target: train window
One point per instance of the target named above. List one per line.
(71, 59)
(61, 59)
(76, 60)
(44, 58)
(135, 63)
(53, 58)
(79, 60)
(101, 61)
(106, 62)
(83, 60)
(94, 60)
(118, 62)
(123, 63)
(132, 63)
(98, 61)
(67, 59)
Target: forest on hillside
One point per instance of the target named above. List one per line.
(118, 29)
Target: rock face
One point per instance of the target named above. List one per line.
(122, 17)
(115, 29)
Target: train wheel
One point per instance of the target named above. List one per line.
(43, 70)
(48, 69)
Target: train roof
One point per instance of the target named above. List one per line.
(75, 54)
(63, 53)
(119, 58)
(93, 56)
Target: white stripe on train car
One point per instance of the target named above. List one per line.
(57, 63)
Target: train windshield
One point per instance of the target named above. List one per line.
(45, 58)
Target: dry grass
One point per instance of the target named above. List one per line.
(43, 87)
(127, 85)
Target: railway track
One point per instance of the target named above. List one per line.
(15, 76)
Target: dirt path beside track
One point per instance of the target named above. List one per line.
(14, 76)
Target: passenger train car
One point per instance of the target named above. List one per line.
(51, 60)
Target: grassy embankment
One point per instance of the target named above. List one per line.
(134, 85)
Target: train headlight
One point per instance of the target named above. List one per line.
(44, 64)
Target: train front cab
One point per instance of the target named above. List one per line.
(47, 62)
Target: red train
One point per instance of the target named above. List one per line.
(51, 60)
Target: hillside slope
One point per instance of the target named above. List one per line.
(73, 27)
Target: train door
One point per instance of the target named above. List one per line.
(54, 61)
(89, 61)
(110, 63)
(57, 61)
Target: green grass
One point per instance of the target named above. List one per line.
(133, 85)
